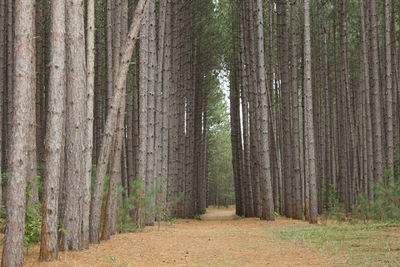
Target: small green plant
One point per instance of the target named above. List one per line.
(111, 258)
(33, 219)
(198, 217)
(237, 217)
(33, 225)
(169, 220)
(276, 215)
(384, 208)
(136, 209)
(336, 209)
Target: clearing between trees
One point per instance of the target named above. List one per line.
(223, 239)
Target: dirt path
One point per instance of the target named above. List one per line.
(220, 239)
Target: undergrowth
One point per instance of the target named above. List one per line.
(357, 245)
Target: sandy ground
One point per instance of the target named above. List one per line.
(219, 239)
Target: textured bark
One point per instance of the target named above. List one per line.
(111, 122)
(32, 181)
(143, 102)
(275, 172)
(297, 203)
(235, 125)
(204, 163)
(308, 113)
(197, 139)
(166, 79)
(189, 138)
(10, 70)
(395, 81)
(327, 110)
(90, 56)
(243, 87)
(18, 162)
(249, 181)
(100, 88)
(285, 106)
(152, 63)
(2, 85)
(159, 103)
(389, 88)
(54, 134)
(75, 126)
(266, 180)
(40, 35)
(109, 46)
(376, 97)
(110, 208)
(368, 126)
(172, 188)
(181, 115)
(143, 108)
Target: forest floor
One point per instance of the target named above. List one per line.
(223, 239)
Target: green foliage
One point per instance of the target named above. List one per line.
(198, 217)
(220, 175)
(237, 217)
(134, 210)
(128, 208)
(336, 209)
(33, 218)
(168, 220)
(384, 208)
(276, 215)
(111, 258)
(33, 225)
(356, 245)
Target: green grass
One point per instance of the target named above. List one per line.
(356, 245)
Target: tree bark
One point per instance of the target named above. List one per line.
(24, 51)
(308, 112)
(75, 126)
(2, 86)
(54, 135)
(111, 121)
(376, 97)
(286, 138)
(90, 57)
(389, 89)
(297, 203)
(266, 181)
(152, 62)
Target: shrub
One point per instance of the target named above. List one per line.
(385, 207)
(336, 209)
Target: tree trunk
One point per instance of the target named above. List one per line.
(266, 181)
(90, 56)
(54, 135)
(297, 203)
(111, 122)
(166, 79)
(2, 86)
(389, 89)
(159, 102)
(24, 51)
(308, 112)
(152, 62)
(10, 71)
(109, 45)
(244, 93)
(376, 97)
(75, 126)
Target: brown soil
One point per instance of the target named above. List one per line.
(220, 239)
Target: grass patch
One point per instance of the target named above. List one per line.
(237, 217)
(357, 245)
